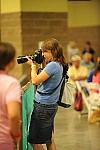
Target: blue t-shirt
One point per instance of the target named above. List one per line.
(54, 70)
(89, 78)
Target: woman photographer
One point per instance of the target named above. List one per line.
(45, 107)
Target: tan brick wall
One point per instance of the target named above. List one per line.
(26, 29)
(0, 20)
(11, 32)
(41, 26)
(82, 34)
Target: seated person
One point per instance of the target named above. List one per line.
(76, 72)
(96, 76)
(89, 79)
(90, 76)
(88, 49)
(95, 115)
(87, 62)
(72, 50)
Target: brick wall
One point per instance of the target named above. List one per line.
(11, 32)
(41, 26)
(0, 25)
(83, 34)
(26, 29)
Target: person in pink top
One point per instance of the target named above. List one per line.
(96, 76)
(10, 99)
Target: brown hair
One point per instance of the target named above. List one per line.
(7, 54)
(55, 48)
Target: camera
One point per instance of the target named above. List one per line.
(37, 57)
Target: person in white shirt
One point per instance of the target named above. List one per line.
(72, 50)
(76, 72)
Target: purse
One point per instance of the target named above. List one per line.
(66, 94)
(78, 102)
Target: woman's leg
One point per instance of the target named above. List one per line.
(38, 147)
(51, 146)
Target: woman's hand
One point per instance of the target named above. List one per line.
(30, 62)
(17, 137)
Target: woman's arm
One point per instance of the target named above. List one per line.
(13, 105)
(37, 79)
(14, 116)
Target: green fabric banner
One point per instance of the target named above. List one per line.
(27, 107)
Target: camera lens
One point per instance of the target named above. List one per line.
(21, 59)
(37, 57)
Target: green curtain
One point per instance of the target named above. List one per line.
(27, 107)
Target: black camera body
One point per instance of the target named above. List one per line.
(37, 57)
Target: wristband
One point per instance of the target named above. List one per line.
(33, 66)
